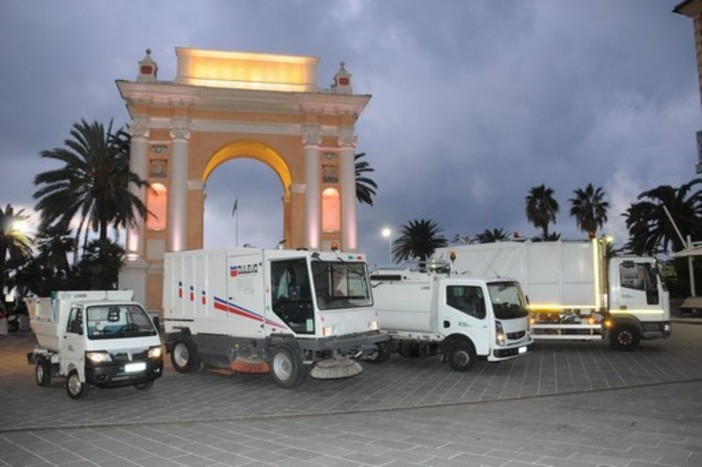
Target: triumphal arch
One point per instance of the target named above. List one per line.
(224, 105)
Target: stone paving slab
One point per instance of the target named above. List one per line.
(564, 404)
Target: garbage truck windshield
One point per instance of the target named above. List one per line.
(118, 321)
(507, 300)
(341, 285)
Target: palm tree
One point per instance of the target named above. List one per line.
(365, 187)
(650, 229)
(541, 208)
(589, 209)
(492, 236)
(15, 244)
(418, 239)
(92, 185)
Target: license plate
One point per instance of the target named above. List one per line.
(134, 367)
(522, 349)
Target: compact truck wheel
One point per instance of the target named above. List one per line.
(286, 365)
(144, 386)
(184, 356)
(42, 373)
(624, 337)
(461, 356)
(74, 388)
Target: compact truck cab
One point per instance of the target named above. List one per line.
(94, 338)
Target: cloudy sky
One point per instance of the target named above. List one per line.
(473, 101)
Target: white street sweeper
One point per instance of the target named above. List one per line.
(254, 310)
(428, 312)
(94, 337)
(575, 292)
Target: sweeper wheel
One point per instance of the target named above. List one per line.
(287, 369)
(336, 369)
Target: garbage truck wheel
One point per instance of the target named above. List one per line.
(144, 386)
(461, 356)
(184, 356)
(74, 387)
(286, 365)
(624, 337)
(42, 373)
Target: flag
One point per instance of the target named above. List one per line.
(236, 206)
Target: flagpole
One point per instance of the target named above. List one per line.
(235, 213)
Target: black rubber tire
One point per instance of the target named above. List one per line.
(144, 386)
(287, 369)
(461, 356)
(42, 373)
(624, 337)
(74, 388)
(184, 356)
(381, 355)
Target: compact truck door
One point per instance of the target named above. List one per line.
(72, 345)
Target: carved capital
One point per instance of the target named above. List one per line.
(139, 128)
(347, 138)
(311, 135)
(180, 128)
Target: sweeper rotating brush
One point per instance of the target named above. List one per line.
(249, 365)
(336, 368)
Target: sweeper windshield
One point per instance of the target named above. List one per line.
(341, 285)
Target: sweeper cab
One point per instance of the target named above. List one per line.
(249, 310)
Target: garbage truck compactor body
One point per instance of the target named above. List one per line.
(254, 310)
(575, 292)
(460, 318)
(94, 338)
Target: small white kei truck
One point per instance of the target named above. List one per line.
(94, 337)
(252, 310)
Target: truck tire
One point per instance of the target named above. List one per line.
(624, 337)
(74, 388)
(286, 365)
(184, 356)
(42, 373)
(144, 386)
(461, 356)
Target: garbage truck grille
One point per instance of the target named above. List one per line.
(515, 335)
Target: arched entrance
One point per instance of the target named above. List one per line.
(225, 105)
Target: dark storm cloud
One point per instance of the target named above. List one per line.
(473, 102)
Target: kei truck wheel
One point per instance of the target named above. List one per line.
(42, 373)
(74, 387)
(287, 369)
(624, 337)
(461, 356)
(184, 356)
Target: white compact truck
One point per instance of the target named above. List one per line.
(575, 292)
(252, 310)
(460, 318)
(95, 337)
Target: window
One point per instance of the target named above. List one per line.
(157, 203)
(640, 276)
(292, 295)
(331, 212)
(468, 299)
(75, 321)
(118, 321)
(341, 285)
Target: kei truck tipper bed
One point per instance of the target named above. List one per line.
(460, 318)
(575, 291)
(252, 310)
(94, 338)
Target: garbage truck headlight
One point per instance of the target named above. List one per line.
(374, 325)
(499, 334)
(155, 352)
(327, 331)
(98, 357)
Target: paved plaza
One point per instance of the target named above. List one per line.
(567, 404)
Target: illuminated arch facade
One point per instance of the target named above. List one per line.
(227, 105)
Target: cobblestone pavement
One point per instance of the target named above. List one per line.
(565, 404)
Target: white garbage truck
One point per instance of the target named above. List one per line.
(575, 292)
(252, 310)
(94, 338)
(428, 312)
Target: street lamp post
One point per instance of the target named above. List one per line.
(387, 233)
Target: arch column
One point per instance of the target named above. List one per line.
(178, 192)
(311, 139)
(139, 131)
(347, 144)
